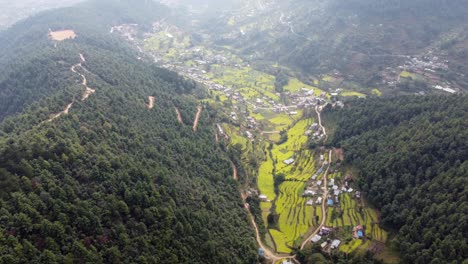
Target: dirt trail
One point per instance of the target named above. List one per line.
(270, 255)
(320, 123)
(64, 112)
(179, 116)
(234, 172)
(84, 82)
(324, 203)
(151, 102)
(88, 90)
(197, 118)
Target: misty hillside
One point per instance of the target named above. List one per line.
(359, 38)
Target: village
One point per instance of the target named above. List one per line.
(254, 110)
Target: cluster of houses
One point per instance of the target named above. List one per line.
(315, 132)
(324, 232)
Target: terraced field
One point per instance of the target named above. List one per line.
(295, 218)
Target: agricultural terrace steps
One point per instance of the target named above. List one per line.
(268, 253)
(324, 203)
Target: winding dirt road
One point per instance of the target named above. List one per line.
(179, 116)
(64, 112)
(197, 118)
(151, 100)
(320, 123)
(270, 255)
(88, 90)
(85, 95)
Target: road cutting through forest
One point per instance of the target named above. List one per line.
(197, 118)
(85, 95)
(151, 99)
(179, 116)
(270, 255)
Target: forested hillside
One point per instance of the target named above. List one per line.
(112, 181)
(412, 157)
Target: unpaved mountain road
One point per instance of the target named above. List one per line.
(151, 100)
(197, 118)
(179, 116)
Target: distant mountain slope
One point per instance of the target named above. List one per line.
(360, 38)
(12, 11)
(27, 47)
(412, 157)
(111, 181)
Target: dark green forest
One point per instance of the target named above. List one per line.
(112, 181)
(412, 156)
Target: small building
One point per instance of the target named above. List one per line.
(360, 233)
(322, 157)
(350, 190)
(263, 197)
(330, 202)
(288, 161)
(310, 202)
(286, 262)
(358, 194)
(319, 183)
(293, 113)
(316, 238)
(335, 244)
(319, 200)
(324, 244)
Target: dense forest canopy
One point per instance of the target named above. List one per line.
(111, 181)
(413, 164)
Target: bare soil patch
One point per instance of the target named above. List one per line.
(179, 116)
(62, 35)
(197, 118)
(151, 102)
(339, 152)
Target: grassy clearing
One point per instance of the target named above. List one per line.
(294, 85)
(376, 92)
(406, 74)
(328, 78)
(347, 94)
(351, 246)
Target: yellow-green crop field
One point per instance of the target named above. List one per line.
(294, 85)
(354, 214)
(295, 218)
(351, 246)
(376, 92)
(406, 74)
